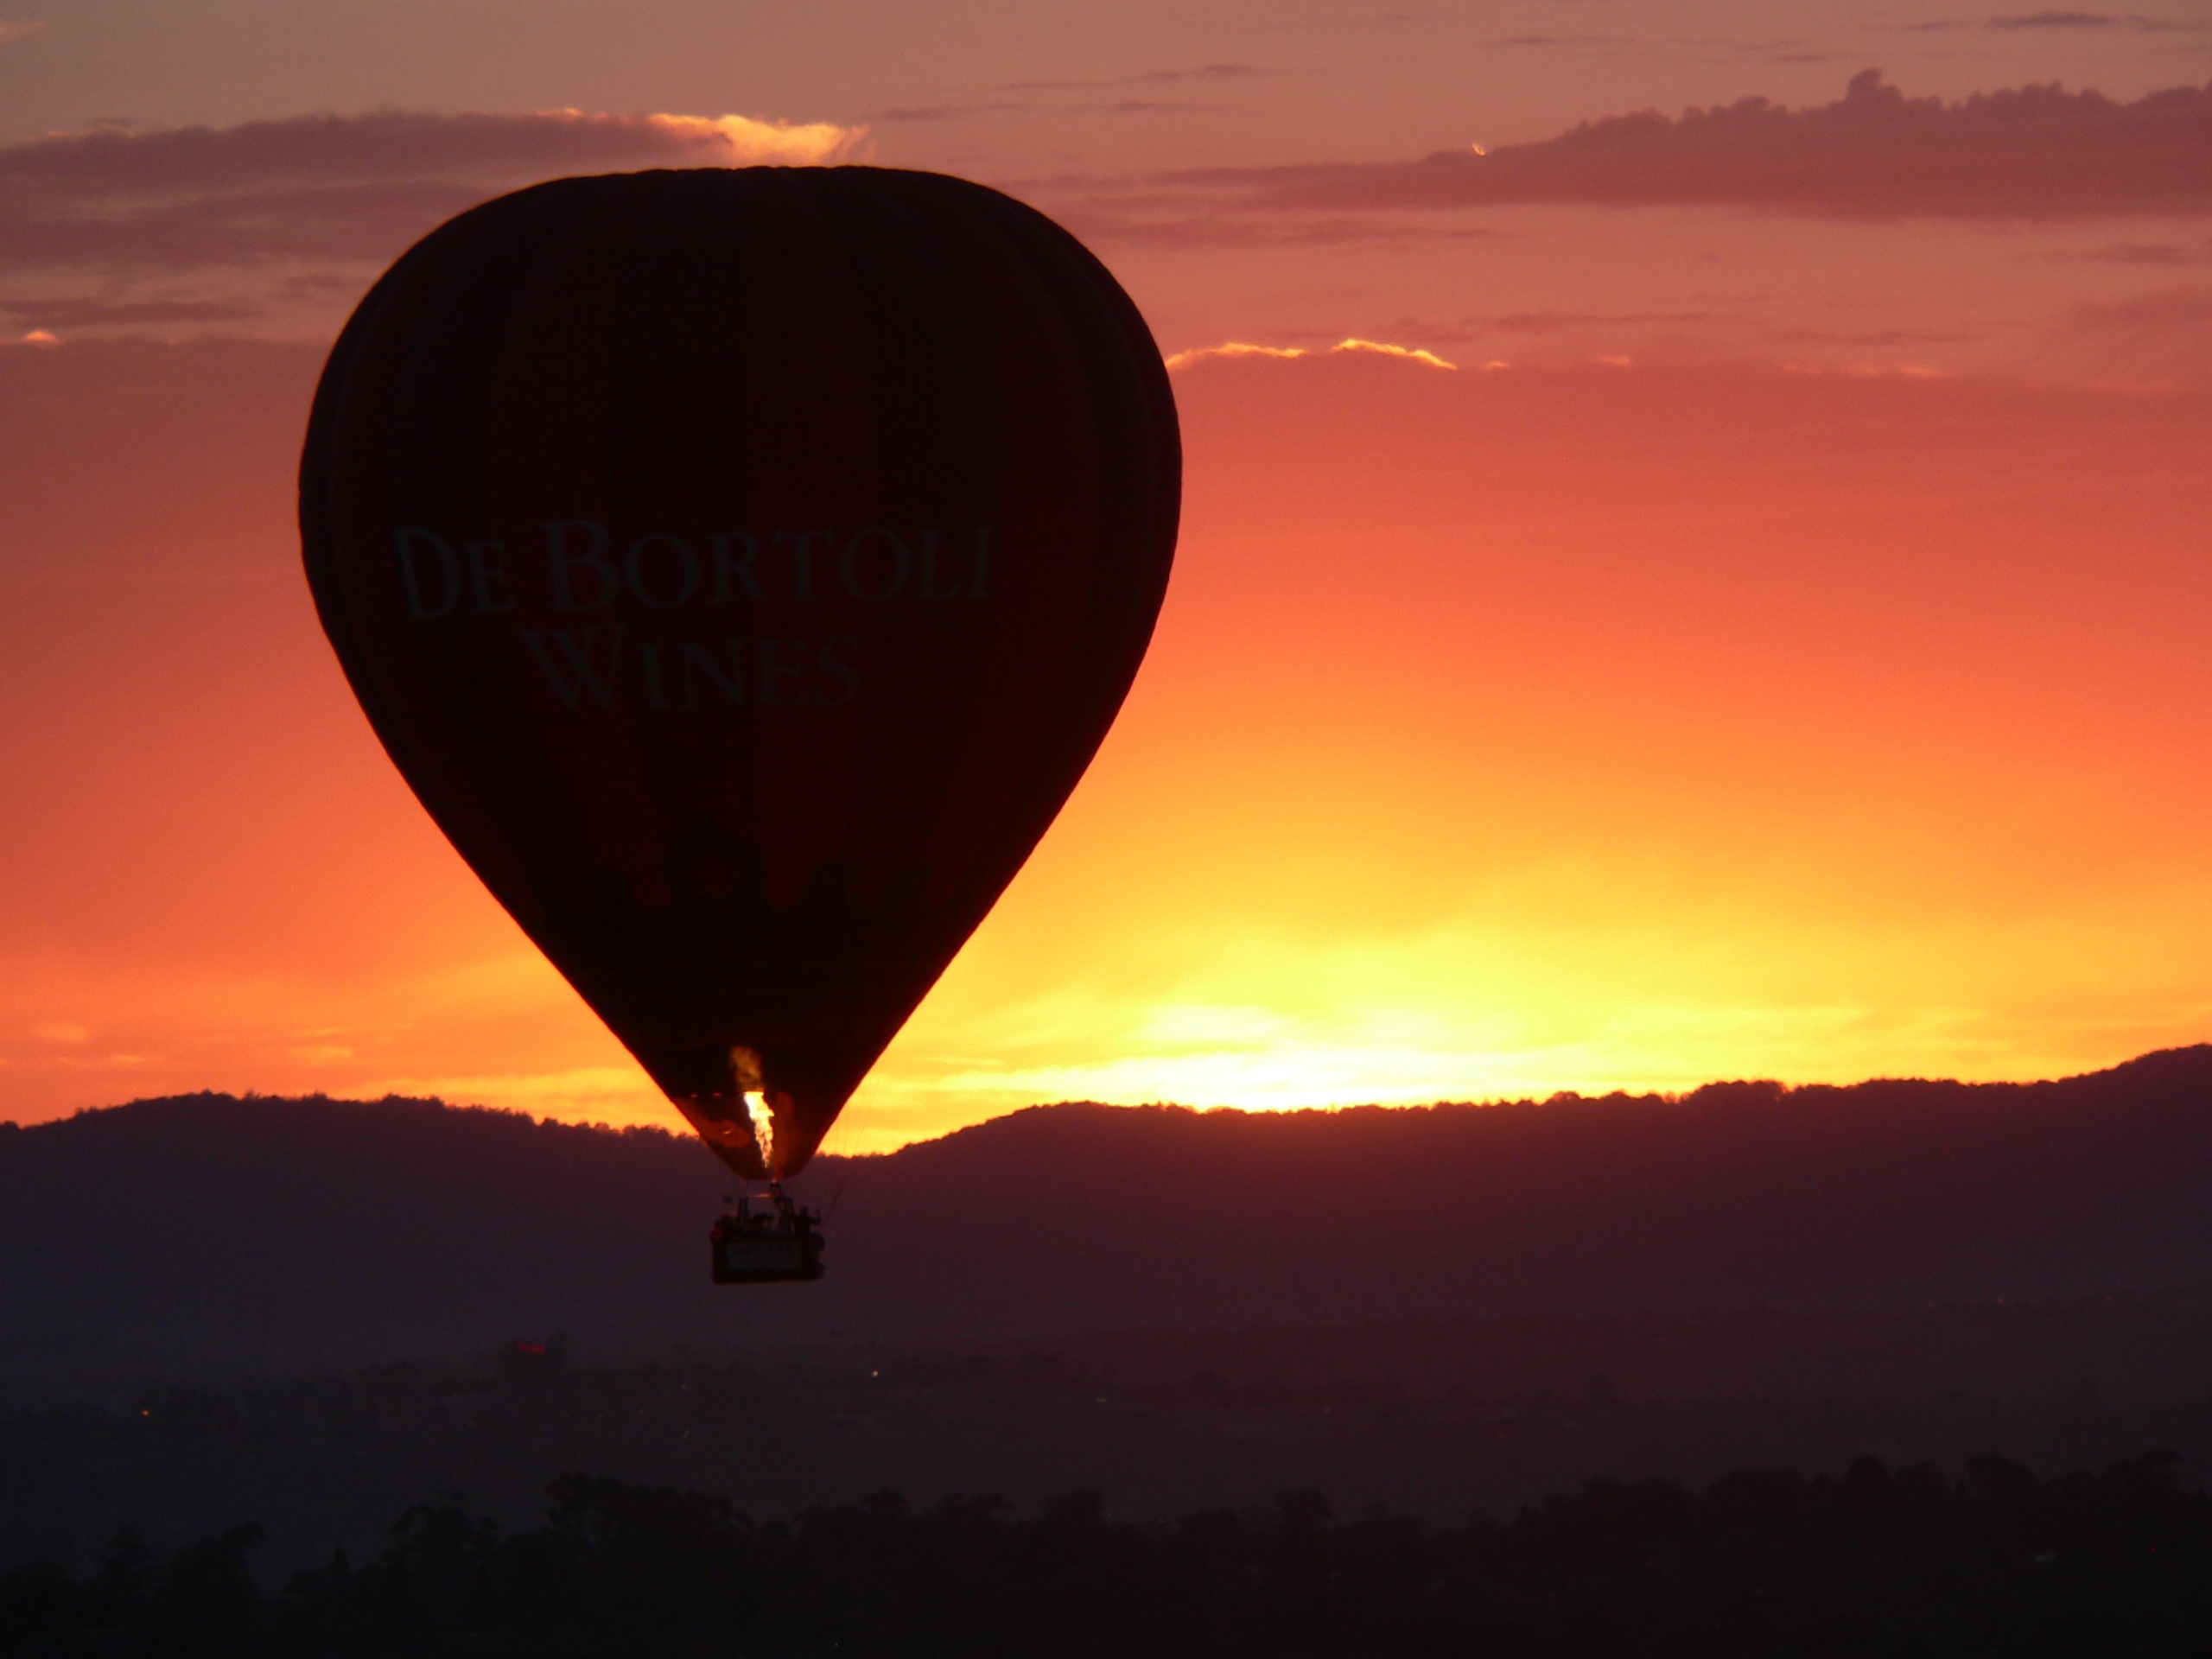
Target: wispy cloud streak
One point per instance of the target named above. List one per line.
(1373, 347)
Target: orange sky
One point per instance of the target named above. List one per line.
(1773, 648)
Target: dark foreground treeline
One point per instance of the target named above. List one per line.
(1872, 1562)
(327, 1462)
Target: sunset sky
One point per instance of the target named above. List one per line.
(1697, 557)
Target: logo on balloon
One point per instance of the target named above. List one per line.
(572, 568)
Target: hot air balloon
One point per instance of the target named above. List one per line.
(742, 566)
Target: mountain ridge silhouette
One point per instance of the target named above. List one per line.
(212, 1232)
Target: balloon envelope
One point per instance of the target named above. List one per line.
(742, 566)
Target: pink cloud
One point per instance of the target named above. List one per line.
(2029, 153)
(118, 161)
(354, 188)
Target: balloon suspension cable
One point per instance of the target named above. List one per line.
(838, 1197)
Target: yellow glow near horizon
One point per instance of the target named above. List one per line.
(1504, 735)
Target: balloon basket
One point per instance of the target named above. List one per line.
(775, 1243)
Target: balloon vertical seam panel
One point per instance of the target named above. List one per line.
(1083, 284)
(743, 566)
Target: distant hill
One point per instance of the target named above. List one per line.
(211, 1233)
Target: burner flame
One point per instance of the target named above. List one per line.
(763, 1127)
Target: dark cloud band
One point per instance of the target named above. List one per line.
(2032, 152)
